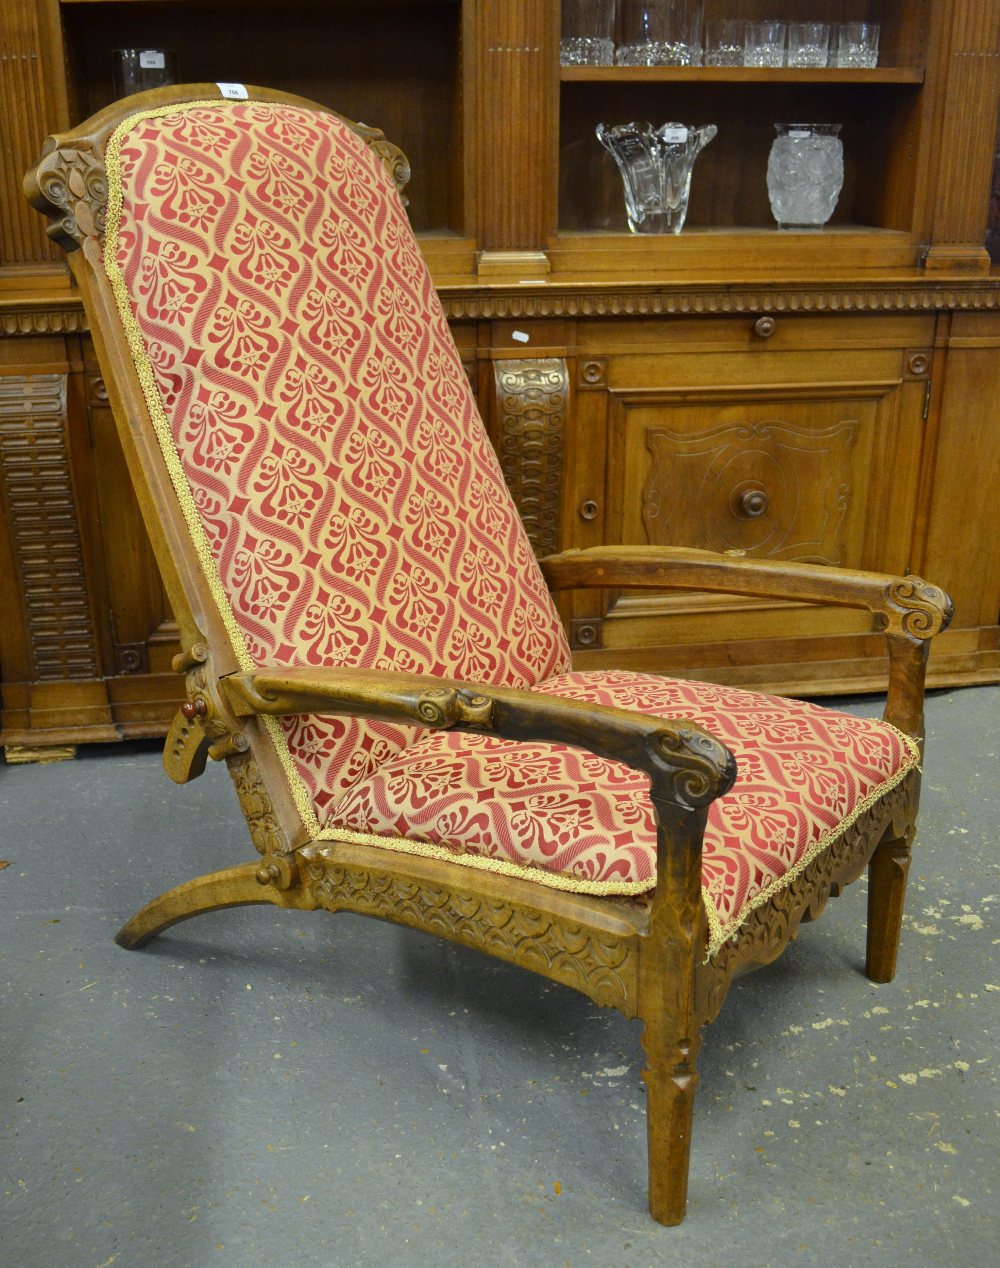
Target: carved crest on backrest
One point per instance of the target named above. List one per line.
(74, 184)
(391, 155)
(70, 185)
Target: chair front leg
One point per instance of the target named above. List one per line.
(887, 873)
(671, 1079)
(671, 1036)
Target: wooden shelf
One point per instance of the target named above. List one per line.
(739, 75)
(767, 250)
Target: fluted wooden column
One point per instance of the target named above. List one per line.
(516, 118)
(965, 154)
(26, 121)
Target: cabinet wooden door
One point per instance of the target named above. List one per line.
(803, 444)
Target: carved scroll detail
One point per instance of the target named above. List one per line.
(74, 184)
(602, 967)
(923, 610)
(699, 769)
(532, 399)
(391, 155)
(447, 707)
(265, 830)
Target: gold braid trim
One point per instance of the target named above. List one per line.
(718, 933)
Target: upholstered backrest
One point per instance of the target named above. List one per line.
(319, 430)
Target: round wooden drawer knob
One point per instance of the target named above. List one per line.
(764, 327)
(753, 503)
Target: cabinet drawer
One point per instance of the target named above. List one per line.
(761, 331)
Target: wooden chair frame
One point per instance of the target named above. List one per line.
(645, 958)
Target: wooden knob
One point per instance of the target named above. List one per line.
(267, 875)
(589, 509)
(764, 327)
(753, 503)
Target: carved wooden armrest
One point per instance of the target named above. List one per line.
(906, 606)
(909, 610)
(687, 767)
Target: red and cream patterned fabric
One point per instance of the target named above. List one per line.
(315, 415)
(569, 818)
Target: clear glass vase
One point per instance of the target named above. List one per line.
(805, 173)
(655, 165)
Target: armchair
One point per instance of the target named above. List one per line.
(369, 643)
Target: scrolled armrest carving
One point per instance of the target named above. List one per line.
(693, 768)
(918, 609)
(686, 766)
(449, 707)
(436, 707)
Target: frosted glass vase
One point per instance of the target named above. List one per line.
(805, 173)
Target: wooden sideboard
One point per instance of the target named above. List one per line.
(831, 396)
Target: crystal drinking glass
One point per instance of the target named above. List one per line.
(660, 33)
(764, 44)
(588, 28)
(855, 45)
(808, 43)
(724, 42)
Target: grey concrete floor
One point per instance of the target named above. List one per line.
(287, 1089)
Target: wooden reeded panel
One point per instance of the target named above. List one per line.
(974, 57)
(514, 112)
(40, 507)
(22, 235)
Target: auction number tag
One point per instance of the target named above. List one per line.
(235, 92)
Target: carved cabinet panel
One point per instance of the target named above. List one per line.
(773, 478)
(803, 448)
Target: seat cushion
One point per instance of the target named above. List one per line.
(566, 818)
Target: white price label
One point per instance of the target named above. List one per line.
(235, 92)
(799, 134)
(152, 59)
(674, 136)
